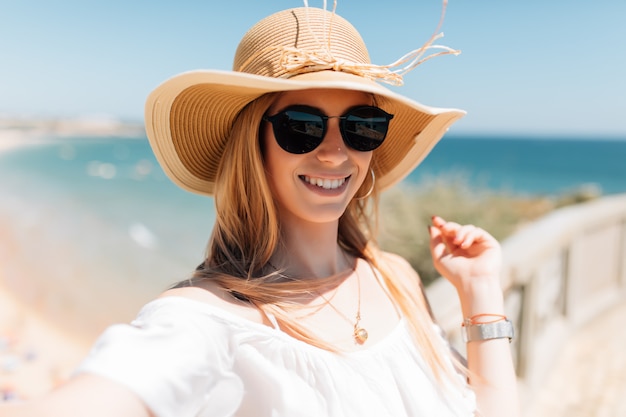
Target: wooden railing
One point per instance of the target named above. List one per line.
(559, 273)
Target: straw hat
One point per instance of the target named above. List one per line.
(189, 117)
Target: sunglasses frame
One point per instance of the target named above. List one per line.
(312, 142)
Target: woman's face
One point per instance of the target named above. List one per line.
(316, 186)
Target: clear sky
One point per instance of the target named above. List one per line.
(532, 67)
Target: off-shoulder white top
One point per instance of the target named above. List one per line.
(186, 358)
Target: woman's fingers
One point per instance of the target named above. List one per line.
(455, 234)
(438, 247)
(463, 252)
(467, 236)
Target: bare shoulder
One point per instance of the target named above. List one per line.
(209, 293)
(405, 275)
(216, 296)
(401, 270)
(397, 264)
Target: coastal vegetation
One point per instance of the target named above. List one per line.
(405, 213)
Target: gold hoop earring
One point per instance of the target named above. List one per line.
(369, 192)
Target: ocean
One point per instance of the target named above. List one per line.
(529, 166)
(95, 225)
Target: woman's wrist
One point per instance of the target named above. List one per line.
(481, 296)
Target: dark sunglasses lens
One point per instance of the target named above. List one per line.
(298, 131)
(365, 128)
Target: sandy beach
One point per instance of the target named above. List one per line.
(35, 356)
(36, 353)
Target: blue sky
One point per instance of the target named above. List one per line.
(533, 67)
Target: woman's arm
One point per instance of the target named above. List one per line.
(84, 395)
(470, 259)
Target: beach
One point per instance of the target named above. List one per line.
(45, 333)
(35, 355)
(48, 318)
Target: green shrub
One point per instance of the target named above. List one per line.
(406, 210)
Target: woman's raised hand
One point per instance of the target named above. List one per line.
(464, 254)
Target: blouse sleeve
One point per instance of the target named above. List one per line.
(174, 357)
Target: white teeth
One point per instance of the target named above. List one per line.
(325, 183)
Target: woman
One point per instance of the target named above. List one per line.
(295, 311)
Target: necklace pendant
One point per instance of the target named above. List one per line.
(360, 335)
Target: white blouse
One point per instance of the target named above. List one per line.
(186, 358)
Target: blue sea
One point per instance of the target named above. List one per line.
(94, 224)
(529, 166)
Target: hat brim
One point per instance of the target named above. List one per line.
(189, 116)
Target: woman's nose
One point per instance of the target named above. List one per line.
(332, 149)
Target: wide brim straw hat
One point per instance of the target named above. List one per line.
(189, 116)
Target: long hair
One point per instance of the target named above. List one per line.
(247, 232)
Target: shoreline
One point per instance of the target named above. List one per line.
(16, 133)
(12, 139)
(36, 354)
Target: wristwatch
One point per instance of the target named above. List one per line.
(487, 331)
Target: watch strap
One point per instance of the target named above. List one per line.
(496, 330)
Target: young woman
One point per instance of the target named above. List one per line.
(295, 311)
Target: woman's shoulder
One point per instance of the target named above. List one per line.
(394, 259)
(211, 296)
(399, 269)
(396, 264)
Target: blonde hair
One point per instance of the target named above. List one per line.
(247, 233)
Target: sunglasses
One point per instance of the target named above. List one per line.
(300, 129)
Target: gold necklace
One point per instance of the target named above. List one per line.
(360, 335)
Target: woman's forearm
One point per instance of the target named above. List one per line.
(84, 395)
(492, 374)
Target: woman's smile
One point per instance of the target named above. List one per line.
(326, 183)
